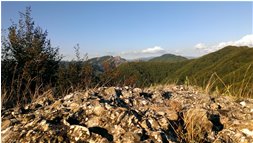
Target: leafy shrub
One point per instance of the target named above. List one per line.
(29, 62)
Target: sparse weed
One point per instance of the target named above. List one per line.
(243, 89)
(190, 129)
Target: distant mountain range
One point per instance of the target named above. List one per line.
(141, 59)
(168, 58)
(163, 58)
(233, 66)
(230, 67)
(114, 62)
(98, 63)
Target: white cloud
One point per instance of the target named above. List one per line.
(200, 46)
(244, 41)
(153, 50)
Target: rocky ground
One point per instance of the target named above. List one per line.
(167, 114)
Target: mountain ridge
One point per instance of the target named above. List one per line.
(168, 58)
(98, 63)
(231, 65)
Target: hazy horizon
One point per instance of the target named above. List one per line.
(139, 29)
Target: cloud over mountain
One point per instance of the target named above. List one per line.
(244, 41)
(156, 50)
(200, 46)
(153, 50)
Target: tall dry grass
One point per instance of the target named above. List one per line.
(242, 90)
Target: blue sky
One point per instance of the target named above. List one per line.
(137, 29)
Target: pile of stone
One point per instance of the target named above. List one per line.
(166, 114)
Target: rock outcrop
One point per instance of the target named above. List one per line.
(167, 114)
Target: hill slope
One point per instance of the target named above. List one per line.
(233, 65)
(168, 58)
(223, 62)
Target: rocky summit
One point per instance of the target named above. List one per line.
(161, 114)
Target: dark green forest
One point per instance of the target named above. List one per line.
(31, 66)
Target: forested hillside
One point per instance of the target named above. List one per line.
(168, 58)
(230, 67)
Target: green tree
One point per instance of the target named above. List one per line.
(76, 74)
(29, 62)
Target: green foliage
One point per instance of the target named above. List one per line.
(29, 62)
(148, 73)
